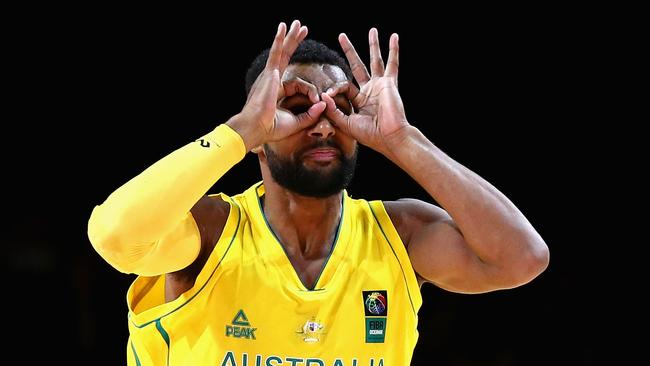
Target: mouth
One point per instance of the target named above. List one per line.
(322, 154)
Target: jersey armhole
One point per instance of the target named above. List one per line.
(399, 249)
(220, 250)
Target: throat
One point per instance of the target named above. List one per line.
(308, 258)
(308, 270)
(307, 241)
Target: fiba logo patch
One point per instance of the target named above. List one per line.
(375, 303)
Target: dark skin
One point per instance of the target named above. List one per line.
(477, 242)
(306, 252)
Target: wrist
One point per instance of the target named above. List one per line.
(401, 142)
(224, 137)
(246, 130)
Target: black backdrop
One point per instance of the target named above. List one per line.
(109, 92)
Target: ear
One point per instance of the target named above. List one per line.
(257, 150)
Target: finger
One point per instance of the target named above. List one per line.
(291, 35)
(358, 68)
(349, 90)
(275, 53)
(311, 116)
(293, 29)
(300, 86)
(340, 119)
(291, 47)
(296, 34)
(392, 66)
(376, 62)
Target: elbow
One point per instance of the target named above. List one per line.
(537, 258)
(103, 233)
(532, 261)
(108, 241)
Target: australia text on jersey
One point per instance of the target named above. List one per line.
(259, 360)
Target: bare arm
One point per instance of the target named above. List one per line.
(482, 242)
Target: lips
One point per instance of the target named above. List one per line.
(322, 154)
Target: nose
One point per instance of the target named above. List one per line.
(322, 129)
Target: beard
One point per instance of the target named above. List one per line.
(292, 174)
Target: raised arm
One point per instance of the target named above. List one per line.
(147, 225)
(480, 242)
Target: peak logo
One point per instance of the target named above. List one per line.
(240, 327)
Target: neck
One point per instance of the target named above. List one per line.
(306, 226)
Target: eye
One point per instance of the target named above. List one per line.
(297, 109)
(345, 108)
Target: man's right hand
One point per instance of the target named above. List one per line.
(260, 120)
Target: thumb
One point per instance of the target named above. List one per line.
(310, 117)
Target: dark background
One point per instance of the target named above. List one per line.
(104, 94)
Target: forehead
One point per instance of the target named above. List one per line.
(322, 76)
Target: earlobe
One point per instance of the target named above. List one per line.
(261, 154)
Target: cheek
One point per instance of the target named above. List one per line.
(349, 147)
(282, 149)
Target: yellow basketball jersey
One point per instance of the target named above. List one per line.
(248, 306)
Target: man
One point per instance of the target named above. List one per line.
(293, 271)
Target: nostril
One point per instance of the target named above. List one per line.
(323, 128)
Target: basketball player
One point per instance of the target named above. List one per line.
(293, 271)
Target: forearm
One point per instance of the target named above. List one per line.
(490, 223)
(150, 205)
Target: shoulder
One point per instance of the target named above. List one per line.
(210, 213)
(409, 215)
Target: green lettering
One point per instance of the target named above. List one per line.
(315, 361)
(237, 332)
(273, 358)
(294, 360)
(338, 362)
(230, 359)
(228, 330)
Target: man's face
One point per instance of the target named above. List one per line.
(318, 161)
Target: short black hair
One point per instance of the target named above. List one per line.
(308, 52)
